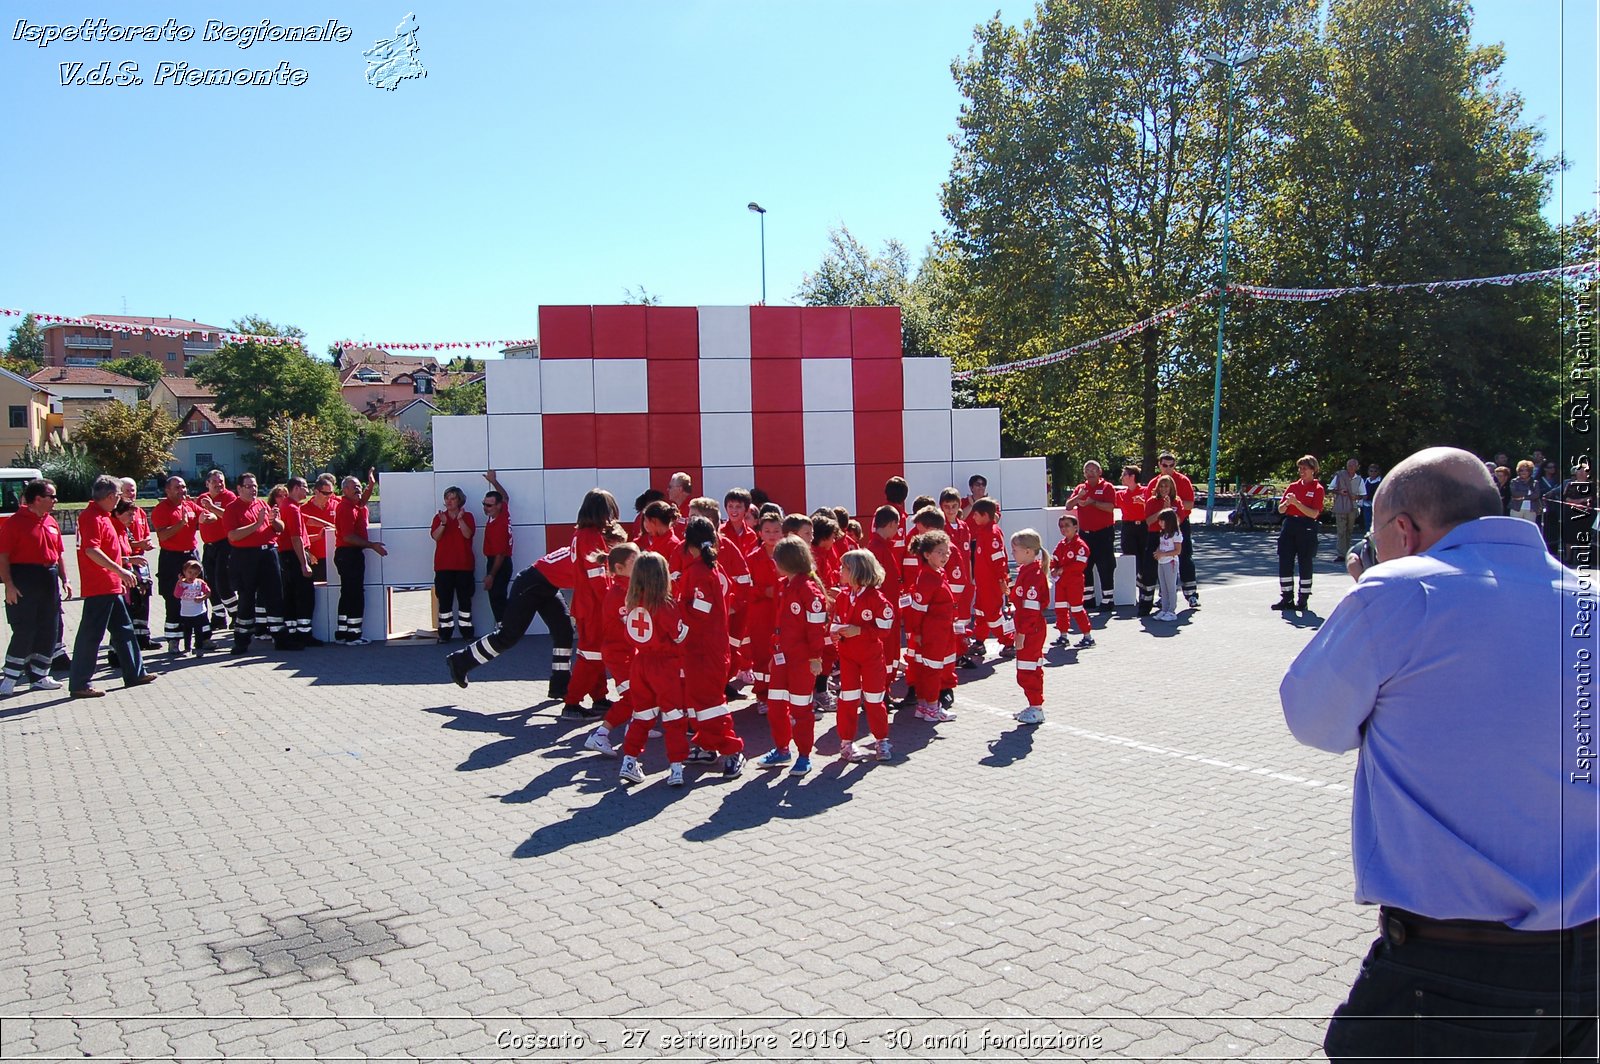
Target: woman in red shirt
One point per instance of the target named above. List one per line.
(452, 531)
(1301, 507)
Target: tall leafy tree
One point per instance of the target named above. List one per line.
(129, 441)
(850, 274)
(25, 351)
(264, 381)
(142, 368)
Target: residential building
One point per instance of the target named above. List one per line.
(76, 390)
(207, 440)
(83, 346)
(28, 419)
(396, 388)
(178, 395)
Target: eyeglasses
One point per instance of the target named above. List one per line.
(48, 495)
(328, 492)
(1168, 462)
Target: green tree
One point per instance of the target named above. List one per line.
(129, 441)
(639, 297)
(264, 381)
(308, 442)
(851, 275)
(25, 353)
(141, 368)
(463, 399)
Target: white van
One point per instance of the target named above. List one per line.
(12, 479)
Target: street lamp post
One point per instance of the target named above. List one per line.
(1231, 65)
(759, 209)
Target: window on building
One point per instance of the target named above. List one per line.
(19, 417)
(172, 356)
(204, 461)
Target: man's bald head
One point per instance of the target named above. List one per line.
(1438, 488)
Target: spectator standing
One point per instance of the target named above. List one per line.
(294, 566)
(350, 559)
(1168, 465)
(35, 582)
(1096, 502)
(1348, 488)
(1525, 493)
(105, 577)
(453, 562)
(1502, 483)
(1548, 487)
(253, 529)
(137, 528)
(1301, 507)
(320, 513)
(1371, 481)
(176, 524)
(497, 545)
(215, 547)
(1469, 830)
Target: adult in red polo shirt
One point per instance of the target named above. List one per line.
(214, 502)
(453, 563)
(136, 525)
(35, 583)
(105, 575)
(350, 559)
(1135, 538)
(1301, 507)
(320, 513)
(1167, 464)
(253, 529)
(176, 524)
(1096, 502)
(294, 566)
(497, 568)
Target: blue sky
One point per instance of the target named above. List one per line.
(556, 153)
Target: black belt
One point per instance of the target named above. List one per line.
(51, 568)
(1399, 927)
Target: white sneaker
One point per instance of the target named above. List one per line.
(1031, 715)
(675, 775)
(600, 741)
(357, 642)
(885, 751)
(47, 683)
(847, 751)
(1166, 615)
(8, 687)
(632, 771)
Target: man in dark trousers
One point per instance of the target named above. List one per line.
(35, 582)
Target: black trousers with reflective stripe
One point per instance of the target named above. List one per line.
(531, 595)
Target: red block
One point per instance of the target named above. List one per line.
(619, 332)
(870, 479)
(674, 386)
(825, 332)
(569, 441)
(659, 475)
(558, 536)
(779, 439)
(672, 332)
(878, 438)
(622, 440)
(674, 440)
(879, 385)
(566, 332)
(775, 385)
(774, 332)
(784, 485)
(875, 332)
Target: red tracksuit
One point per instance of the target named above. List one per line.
(743, 540)
(888, 556)
(802, 625)
(989, 571)
(588, 592)
(958, 573)
(616, 649)
(655, 683)
(1068, 562)
(862, 675)
(1028, 597)
(704, 593)
(763, 614)
(930, 621)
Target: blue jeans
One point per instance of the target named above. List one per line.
(103, 614)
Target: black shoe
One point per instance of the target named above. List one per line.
(311, 641)
(1145, 609)
(458, 669)
(1107, 607)
(445, 637)
(602, 705)
(113, 662)
(731, 692)
(1304, 603)
(576, 709)
(150, 644)
(61, 665)
(908, 702)
(558, 684)
(1008, 652)
(1194, 600)
(1285, 603)
(239, 649)
(947, 698)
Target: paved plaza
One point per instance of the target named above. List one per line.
(339, 854)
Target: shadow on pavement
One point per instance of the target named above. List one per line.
(523, 733)
(1011, 747)
(777, 795)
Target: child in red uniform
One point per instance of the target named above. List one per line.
(930, 623)
(992, 577)
(764, 581)
(656, 531)
(655, 681)
(860, 617)
(1028, 597)
(1068, 562)
(703, 589)
(847, 536)
(745, 539)
(616, 649)
(961, 585)
(596, 513)
(885, 529)
(826, 553)
(802, 623)
(730, 560)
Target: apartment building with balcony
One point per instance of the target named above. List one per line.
(85, 347)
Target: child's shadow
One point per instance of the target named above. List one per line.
(1010, 747)
(615, 812)
(521, 736)
(778, 796)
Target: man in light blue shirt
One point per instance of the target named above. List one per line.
(1459, 667)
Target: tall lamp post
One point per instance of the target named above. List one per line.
(759, 209)
(1231, 64)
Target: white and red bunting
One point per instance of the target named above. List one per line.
(132, 328)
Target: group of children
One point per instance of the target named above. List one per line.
(694, 605)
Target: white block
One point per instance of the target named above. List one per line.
(324, 611)
(1016, 520)
(527, 544)
(375, 621)
(725, 332)
(406, 500)
(512, 385)
(926, 478)
(827, 384)
(1022, 484)
(927, 435)
(516, 441)
(564, 490)
(719, 479)
(460, 442)
(727, 439)
(482, 615)
(1052, 519)
(621, 386)
(830, 438)
(1126, 593)
(830, 486)
(975, 436)
(567, 385)
(724, 385)
(410, 558)
(927, 383)
(625, 484)
(526, 488)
